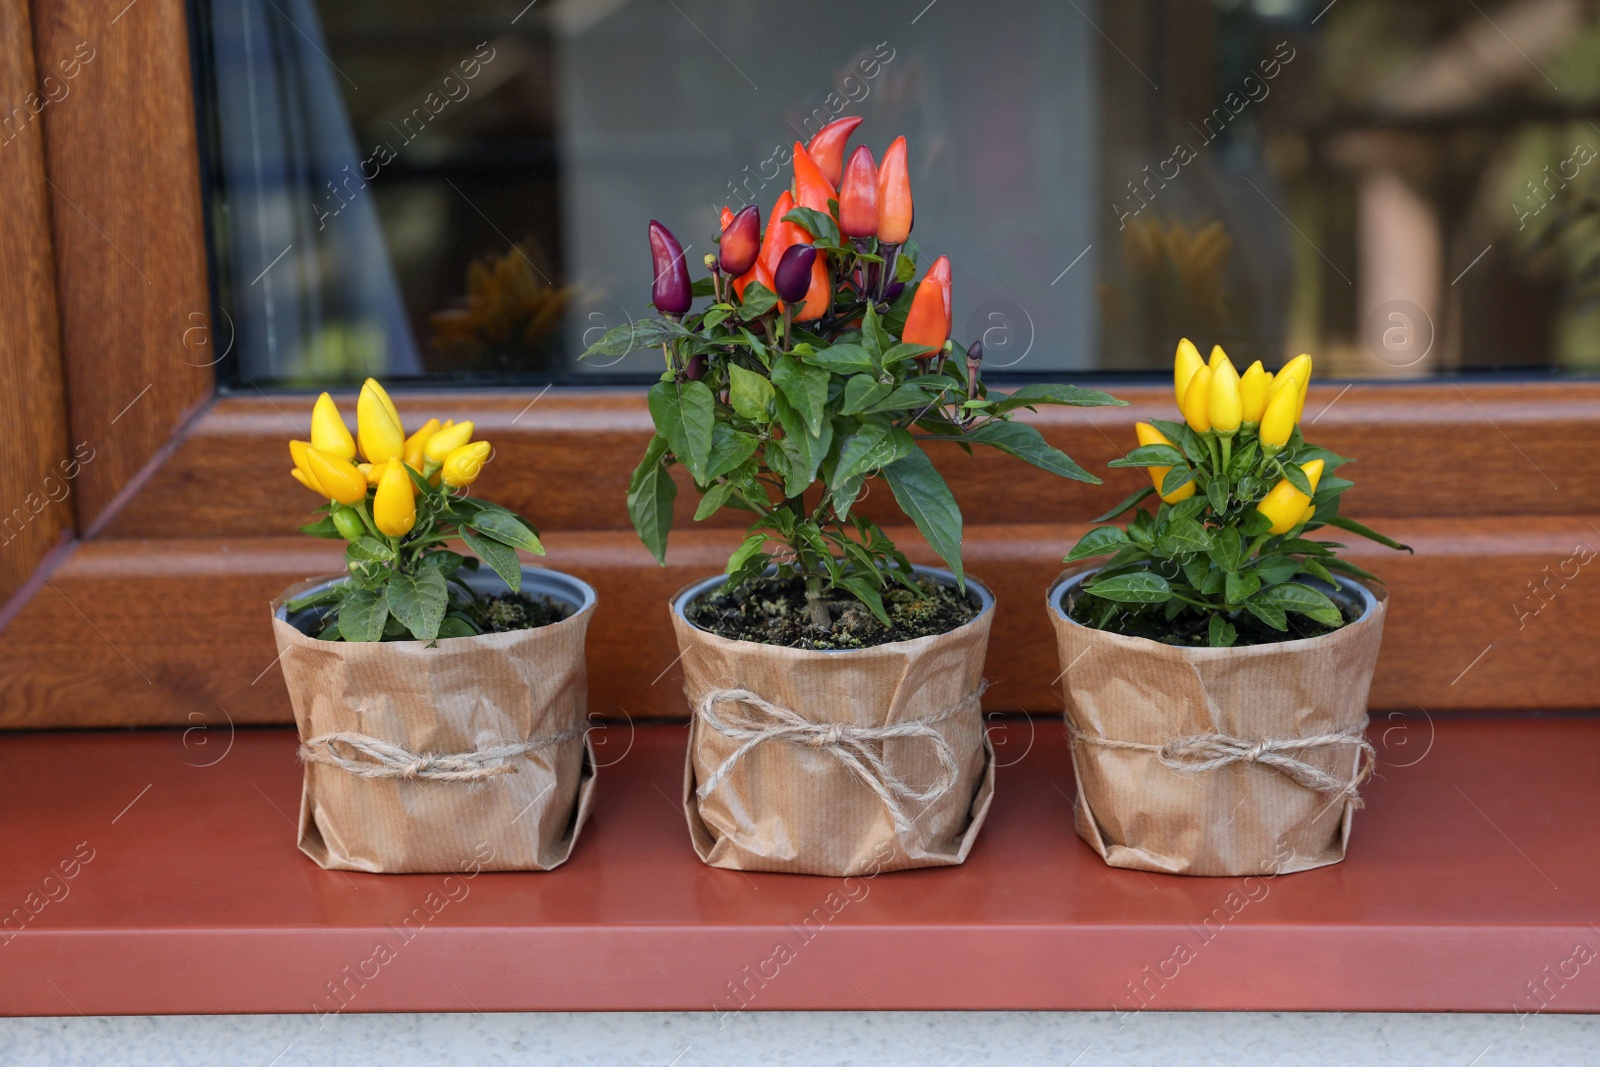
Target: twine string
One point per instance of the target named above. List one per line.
(372, 757)
(859, 749)
(1208, 752)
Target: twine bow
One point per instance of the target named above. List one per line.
(858, 748)
(1207, 752)
(371, 757)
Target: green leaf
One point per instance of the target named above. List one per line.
(651, 492)
(502, 559)
(1151, 456)
(871, 447)
(1343, 566)
(646, 333)
(715, 497)
(817, 223)
(746, 552)
(456, 626)
(922, 494)
(1100, 541)
(866, 593)
(693, 446)
(1273, 617)
(842, 359)
(1297, 478)
(803, 452)
(362, 613)
(862, 391)
(506, 528)
(729, 449)
(906, 396)
(1241, 587)
(873, 335)
(1176, 478)
(806, 389)
(758, 300)
(1302, 600)
(1221, 633)
(1132, 500)
(443, 560)
(903, 351)
(369, 550)
(1276, 569)
(1365, 531)
(1217, 495)
(1139, 587)
(749, 393)
(1071, 395)
(1227, 548)
(1183, 536)
(1026, 443)
(419, 602)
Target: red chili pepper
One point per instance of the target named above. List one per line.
(858, 196)
(781, 236)
(895, 210)
(827, 147)
(741, 240)
(757, 273)
(928, 321)
(811, 187)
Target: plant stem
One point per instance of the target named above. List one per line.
(1227, 453)
(816, 606)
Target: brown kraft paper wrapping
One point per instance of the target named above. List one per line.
(465, 695)
(1243, 812)
(791, 802)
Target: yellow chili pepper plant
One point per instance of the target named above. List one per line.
(397, 501)
(1224, 558)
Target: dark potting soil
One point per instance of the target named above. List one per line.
(773, 612)
(522, 611)
(1191, 632)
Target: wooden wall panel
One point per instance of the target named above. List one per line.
(35, 492)
(564, 457)
(124, 197)
(175, 632)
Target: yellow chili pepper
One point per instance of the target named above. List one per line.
(373, 471)
(1149, 435)
(394, 507)
(1298, 368)
(417, 442)
(336, 478)
(1218, 358)
(378, 424)
(1285, 505)
(1225, 407)
(329, 434)
(1184, 365)
(1197, 401)
(1254, 385)
(297, 451)
(462, 465)
(1283, 411)
(447, 440)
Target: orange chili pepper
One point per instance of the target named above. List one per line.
(827, 147)
(858, 196)
(928, 322)
(811, 187)
(895, 210)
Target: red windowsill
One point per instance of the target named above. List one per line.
(1471, 874)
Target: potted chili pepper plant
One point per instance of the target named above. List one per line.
(440, 704)
(834, 686)
(1217, 664)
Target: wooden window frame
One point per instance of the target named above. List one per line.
(182, 523)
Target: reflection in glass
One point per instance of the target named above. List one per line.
(462, 193)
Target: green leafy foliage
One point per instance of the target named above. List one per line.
(411, 587)
(791, 422)
(1209, 563)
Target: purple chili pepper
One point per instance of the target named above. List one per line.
(793, 276)
(670, 291)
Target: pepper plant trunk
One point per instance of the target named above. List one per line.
(838, 763)
(471, 753)
(1218, 761)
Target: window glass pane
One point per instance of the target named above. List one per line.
(460, 192)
